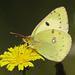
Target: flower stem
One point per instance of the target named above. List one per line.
(24, 72)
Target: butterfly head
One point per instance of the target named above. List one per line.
(28, 39)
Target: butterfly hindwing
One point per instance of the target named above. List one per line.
(52, 44)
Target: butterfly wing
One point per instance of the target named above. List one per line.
(57, 19)
(52, 44)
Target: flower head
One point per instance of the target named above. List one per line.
(20, 56)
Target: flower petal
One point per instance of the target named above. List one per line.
(20, 67)
(19, 56)
(10, 67)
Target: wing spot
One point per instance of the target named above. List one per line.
(60, 22)
(59, 33)
(60, 50)
(59, 18)
(52, 31)
(63, 45)
(54, 40)
(58, 14)
(56, 54)
(54, 11)
(47, 24)
(60, 27)
(51, 13)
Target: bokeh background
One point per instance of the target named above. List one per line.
(21, 16)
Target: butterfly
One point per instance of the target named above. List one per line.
(50, 37)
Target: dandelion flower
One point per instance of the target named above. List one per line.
(20, 56)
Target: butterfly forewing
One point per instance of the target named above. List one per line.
(57, 19)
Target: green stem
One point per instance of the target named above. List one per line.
(24, 72)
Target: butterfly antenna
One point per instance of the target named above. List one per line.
(17, 35)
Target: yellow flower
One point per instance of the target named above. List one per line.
(20, 56)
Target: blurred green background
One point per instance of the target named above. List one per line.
(21, 16)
